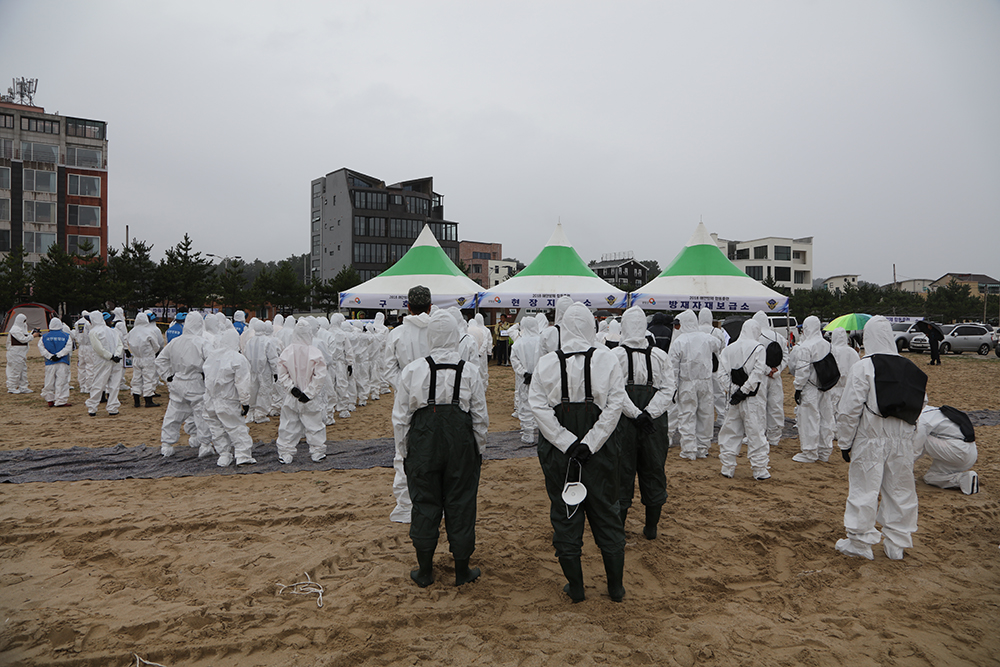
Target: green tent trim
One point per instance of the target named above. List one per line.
(702, 260)
(423, 260)
(557, 260)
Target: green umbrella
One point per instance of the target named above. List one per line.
(850, 322)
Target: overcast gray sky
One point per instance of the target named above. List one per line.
(873, 127)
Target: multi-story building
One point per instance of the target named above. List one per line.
(500, 270)
(359, 221)
(621, 271)
(913, 285)
(53, 181)
(477, 257)
(979, 284)
(840, 283)
(787, 261)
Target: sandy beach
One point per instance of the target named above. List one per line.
(186, 571)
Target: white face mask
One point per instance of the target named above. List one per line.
(573, 493)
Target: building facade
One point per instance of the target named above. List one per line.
(785, 260)
(913, 285)
(839, 283)
(53, 182)
(979, 284)
(500, 270)
(477, 257)
(622, 272)
(357, 220)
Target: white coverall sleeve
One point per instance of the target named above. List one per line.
(95, 342)
(758, 369)
(477, 408)
(318, 380)
(402, 413)
(242, 371)
(538, 399)
(41, 350)
(610, 413)
(628, 407)
(852, 404)
(663, 381)
(163, 362)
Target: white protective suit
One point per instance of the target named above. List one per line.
(182, 365)
(468, 348)
(406, 343)
(240, 321)
(118, 319)
(211, 332)
(379, 379)
(705, 326)
(108, 350)
(415, 380)
(524, 356)
(278, 322)
(484, 343)
(602, 331)
(17, 355)
(359, 349)
(145, 341)
(846, 357)
(614, 334)
(952, 457)
(323, 340)
(302, 369)
(227, 389)
(771, 386)
(84, 354)
(262, 354)
(746, 419)
(881, 453)
(607, 383)
(633, 335)
(55, 391)
(814, 416)
(342, 353)
(551, 335)
(277, 394)
(691, 361)
(284, 334)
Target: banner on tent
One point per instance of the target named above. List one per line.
(528, 300)
(398, 301)
(719, 304)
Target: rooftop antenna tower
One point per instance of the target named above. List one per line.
(22, 92)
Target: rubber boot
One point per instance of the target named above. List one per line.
(573, 570)
(652, 519)
(425, 575)
(150, 404)
(135, 399)
(614, 568)
(463, 574)
(104, 397)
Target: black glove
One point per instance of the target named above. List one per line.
(527, 378)
(116, 359)
(170, 378)
(798, 397)
(846, 453)
(297, 393)
(350, 370)
(579, 451)
(737, 397)
(644, 423)
(275, 377)
(303, 398)
(245, 410)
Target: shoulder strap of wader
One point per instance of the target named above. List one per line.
(649, 363)
(432, 391)
(587, 387)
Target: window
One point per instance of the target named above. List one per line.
(370, 253)
(760, 252)
(6, 121)
(39, 181)
(6, 148)
(39, 211)
(446, 232)
(783, 252)
(4, 177)
(4, 209)
(91, 129)
(396, 251)
(85, 186)
(452, 254)
(34, 152)
(359, 183)
(397, 200)
(799, 254)
(83, 157)
(84, 216)
(4, 240)
(756, 272)
(74, 242)
(364, 226)
(38, 241)
(417, 205)
(376, 201)
(783, 274)
(480, 255)
(39, 125)
(496, 269)
(477, 268)
(801, 277)
(743, 253)
(405, 229)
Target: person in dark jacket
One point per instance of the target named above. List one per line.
(662, 329)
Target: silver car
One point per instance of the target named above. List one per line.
(904, 332)
(960, 338)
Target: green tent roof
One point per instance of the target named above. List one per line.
(425, 257)
(558, 258)
(701, 257)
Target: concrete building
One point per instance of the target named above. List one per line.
(359, 221)
(500, 270)
(914, 285)
(53, 181)
(477, 256)
(979, 284)
(788, 261)
(838, 283)
(621, 271)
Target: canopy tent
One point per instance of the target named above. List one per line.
(557, 271)
(38, 315)
(425, 263)
(702, 277)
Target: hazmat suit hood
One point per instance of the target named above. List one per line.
(289, 322)
(456, 314)
(578, 325)
(268, 328)
(614, 331)
(20, 326)
(750, 331)
(239, 316)
(705, 320)
(529, 327)
(347, 328)
(258, 327)
(442, 333)
(336, 320)
(761, 319)
(95, 322)
(302, 335)
(689, 322)
(878, 337)
(542, 320)
(279, 320)
(634, 328)
(811, 328)
(141, 320)
(230, 340)
(323, 322)
(118, 314)
(194, 325)
(602, 326)
(562, 303)
(839, 338)
(480, 321)
(55, 324)
(211, 325)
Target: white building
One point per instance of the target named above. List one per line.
(838, 283)
(500, 270)
(787, 261)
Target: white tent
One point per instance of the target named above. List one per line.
(557, 271)
(425, 263)
(702, 277)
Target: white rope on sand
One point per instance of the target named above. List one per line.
(140, 661)
(307, 587)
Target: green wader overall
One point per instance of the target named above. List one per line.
(600, 476)
(442, 467)
(642, 454)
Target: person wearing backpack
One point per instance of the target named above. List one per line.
(741, 372)
(815, 413)
(775, 361)
(882, 402)
(947, 436)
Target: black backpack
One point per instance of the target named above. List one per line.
(827, 372)
(899, 387)
(773, 354)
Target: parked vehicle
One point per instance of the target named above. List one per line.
(960, 338)
(920, 344)
(787, 326)
(904, 331)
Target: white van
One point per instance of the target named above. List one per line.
(789, 326)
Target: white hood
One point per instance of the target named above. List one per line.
(878, 337)
(811, 328)
(689, 322)
(634, 328)
(578, 327)
(442, 333)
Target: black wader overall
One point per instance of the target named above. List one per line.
(442, 467)
(600, 476)
(642, 454)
